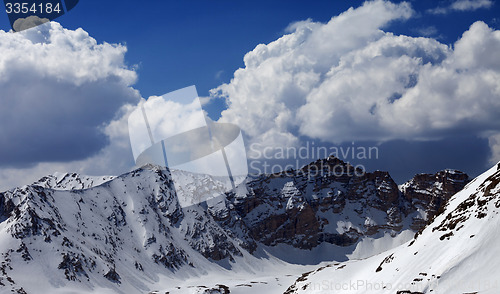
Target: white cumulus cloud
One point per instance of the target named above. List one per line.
(64, 104)
(58, 89)
(463, 5)
(349, 80)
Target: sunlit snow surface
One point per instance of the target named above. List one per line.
(464, 262)
(458, 253)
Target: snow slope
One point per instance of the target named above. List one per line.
(75, 234)
(459, 252)
(122, 235)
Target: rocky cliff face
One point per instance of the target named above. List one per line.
(116, 231)
(430, 192)
(328, 201)
(458, 252)
(130, 226)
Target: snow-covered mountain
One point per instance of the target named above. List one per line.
(118, 235)
(457, 253)
(75, 234)
(317, 204)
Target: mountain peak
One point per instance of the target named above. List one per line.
(457, 253)
(105, 230)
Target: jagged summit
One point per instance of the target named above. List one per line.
(152, 166)
(71, 181)
(124, 233)
(456, 253)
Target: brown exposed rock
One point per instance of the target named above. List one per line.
(430, 192)
(303, 208)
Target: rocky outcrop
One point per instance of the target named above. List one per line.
(429, 193)
(329, 201)
(98, 227)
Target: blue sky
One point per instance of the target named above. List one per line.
(179, 43)
(174, 44)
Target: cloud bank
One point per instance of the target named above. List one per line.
(66, 99)
(59, 90)
(348, 80)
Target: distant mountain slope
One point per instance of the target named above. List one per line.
(457, 253)
(126, 234)
(317, 204)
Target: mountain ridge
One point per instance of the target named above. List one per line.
(456, 253)
(120, 232)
